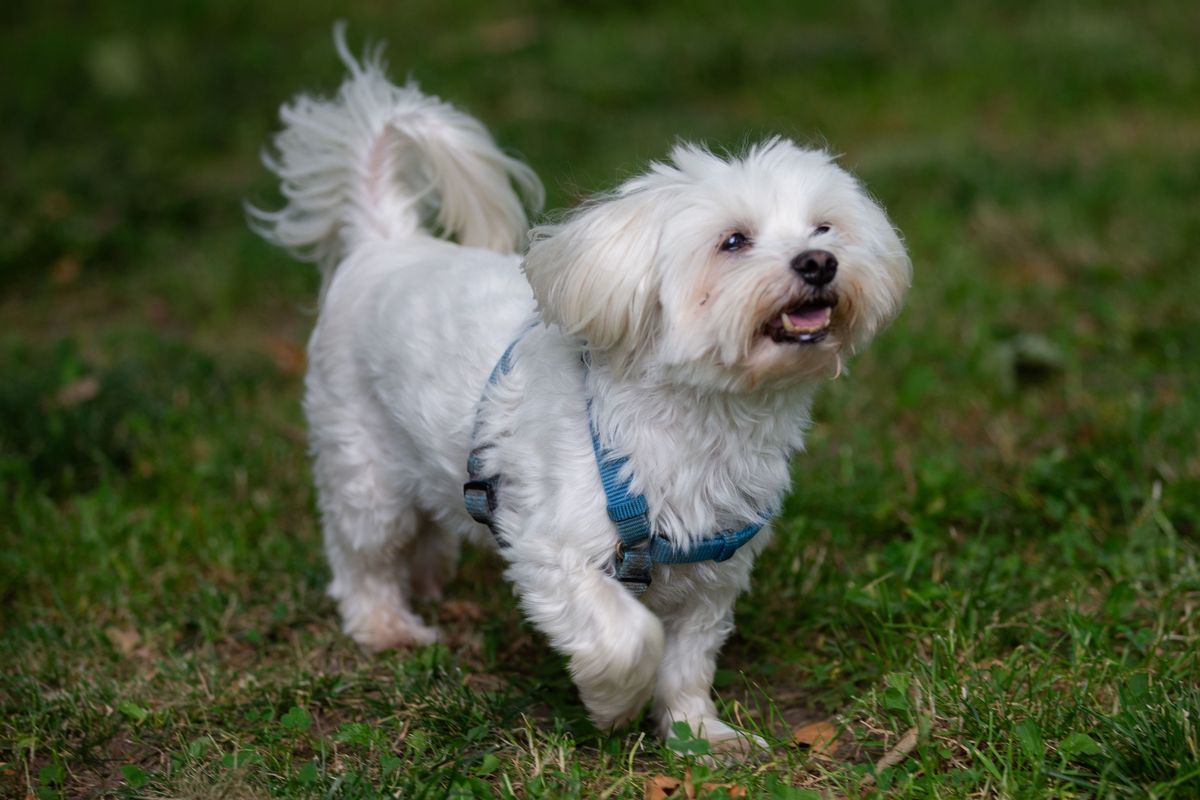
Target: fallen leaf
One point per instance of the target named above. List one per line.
(819, 737)
(908, 742)
(485, 682)
(130, 644)
(77, 392)
(125, 640)
(156, 310)
(659, 787)
(65, 271)
(289, 357)
(462, 610)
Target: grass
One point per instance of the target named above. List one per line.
(993, 537)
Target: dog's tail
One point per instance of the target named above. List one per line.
(380, 161)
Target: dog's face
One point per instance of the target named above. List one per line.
(730, 274)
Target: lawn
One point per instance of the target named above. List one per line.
(992, 543)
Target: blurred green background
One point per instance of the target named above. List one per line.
(1008, 481)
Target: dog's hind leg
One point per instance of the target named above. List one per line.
(369, 530)
(431, 557)
(371, 587)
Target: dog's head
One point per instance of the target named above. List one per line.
(727, 273)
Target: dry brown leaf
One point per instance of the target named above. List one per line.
(77, 392)
(485, 682)
(156, 310)
(460, 610)
(660, 787)
(908, 742)
(129, 643)
(65, 271)
(125, 640)
(819, 737)
(289, 357)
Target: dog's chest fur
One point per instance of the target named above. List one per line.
(704, 462)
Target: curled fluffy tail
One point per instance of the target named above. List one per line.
(380, 161)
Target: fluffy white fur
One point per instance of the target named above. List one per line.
(684, 381)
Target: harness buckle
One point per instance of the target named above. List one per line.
(633, 568)
(480, 500)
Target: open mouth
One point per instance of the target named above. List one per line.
(804, 323)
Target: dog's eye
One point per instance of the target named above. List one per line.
(822, 228)
(735, 241)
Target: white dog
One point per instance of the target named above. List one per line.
(685, 319)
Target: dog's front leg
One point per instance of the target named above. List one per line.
(694, 635)
(614, 643)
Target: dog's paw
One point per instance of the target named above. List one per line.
(616, 678)
(615, 704)
(390, 629)
(725, 743)
(738, 746)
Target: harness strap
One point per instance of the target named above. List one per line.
(480, 493)
(640, 548)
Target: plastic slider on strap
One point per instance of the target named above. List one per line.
(634, 568)
(480, 499)
(728, 545)
(631, 518)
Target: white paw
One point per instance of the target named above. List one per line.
(384, 628)
(725, 743)
(614, 704)
(616, 679)
(739, 746)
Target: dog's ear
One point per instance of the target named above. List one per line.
(596, 275)
(882, 273)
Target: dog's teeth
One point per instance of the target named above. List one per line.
(813, 325)
(792, 327)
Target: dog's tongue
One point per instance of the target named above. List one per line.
(809, 319)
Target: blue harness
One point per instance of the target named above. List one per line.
(639, 548)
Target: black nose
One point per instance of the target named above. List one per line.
(816, 267)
